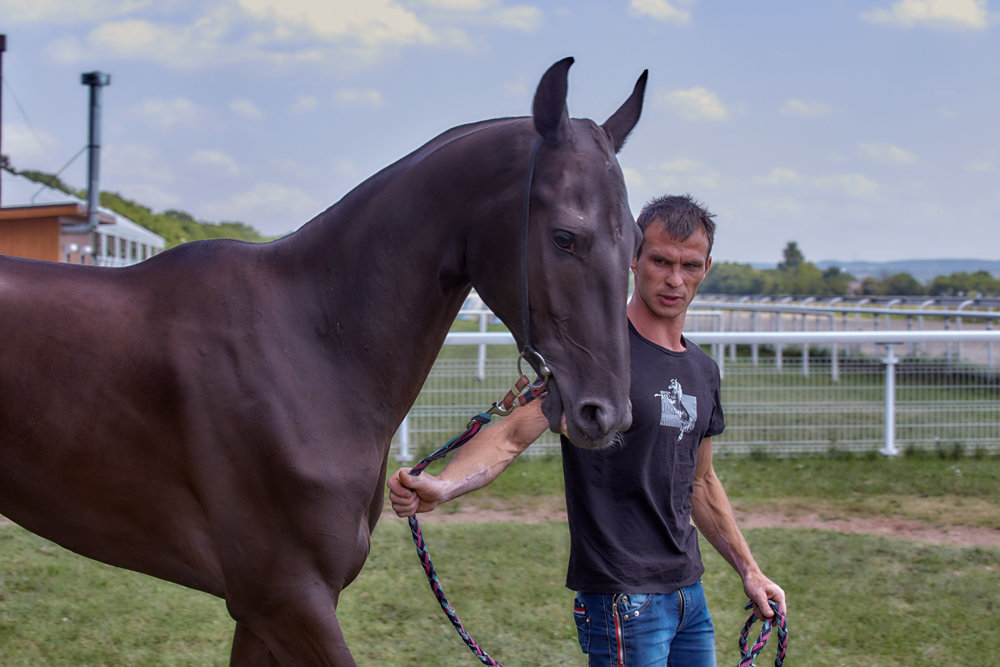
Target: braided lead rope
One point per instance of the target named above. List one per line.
(513, 398)
(747, 656)
(432, 578)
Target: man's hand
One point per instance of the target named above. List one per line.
(409, 494)
(760, 589)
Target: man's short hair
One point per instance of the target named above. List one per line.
(680, 215)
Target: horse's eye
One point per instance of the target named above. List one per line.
(564, 240)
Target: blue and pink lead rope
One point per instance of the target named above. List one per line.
(749, 653)
(520, 394)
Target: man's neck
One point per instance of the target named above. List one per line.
(664, 332)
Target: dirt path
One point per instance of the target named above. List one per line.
(906, 529)
(550, 509)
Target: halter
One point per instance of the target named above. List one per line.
(528, 351)
(521, 393)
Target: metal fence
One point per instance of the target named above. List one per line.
(785, 393)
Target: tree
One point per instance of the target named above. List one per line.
(837, 281)
(793, 257)
(965, 284)
(903, 284)
(734, 278)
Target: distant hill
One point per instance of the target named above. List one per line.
(923, 270)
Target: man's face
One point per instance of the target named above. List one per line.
(668, 271)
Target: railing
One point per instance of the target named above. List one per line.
(785, 393)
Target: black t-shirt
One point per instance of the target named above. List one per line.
(629, 504)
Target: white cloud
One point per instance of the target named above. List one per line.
(965, 14)
(694, 104)
(520, 89)
(981, 165)
(179, 112)
(272, 208)
(685, 175)
(343, 167)
(371, 99)
(31, 148)
(152, 196)
(124, 163)
(634, 179)
(344, 35)
(887, 153)
(526, 18)
(857, 186)
(305, 104)
(216, 161)
(205, 41)
(778, 176)
(805, 109)
(522, 17)
(371, 22)
(660, 10)
(67, 11)
(246, 109)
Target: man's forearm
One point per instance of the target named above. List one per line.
(482, 459)
(713, 516)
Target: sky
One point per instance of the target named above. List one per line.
(860, 129)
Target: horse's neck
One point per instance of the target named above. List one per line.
(388, 268)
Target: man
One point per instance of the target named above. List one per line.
(634, 558)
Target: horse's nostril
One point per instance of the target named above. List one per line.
(592, 418)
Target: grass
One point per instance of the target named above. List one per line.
(853, 599)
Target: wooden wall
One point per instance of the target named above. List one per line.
(34, 238)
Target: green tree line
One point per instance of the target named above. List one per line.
(796, 276)
(174, 226)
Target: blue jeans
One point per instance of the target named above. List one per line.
(639, 629)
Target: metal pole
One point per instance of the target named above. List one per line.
(404, 454)
(890, 362)
(484, 314)
(96, 80)
(3, 47)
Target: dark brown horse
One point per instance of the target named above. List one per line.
(220, 415)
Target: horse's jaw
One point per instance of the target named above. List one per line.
(589, 427)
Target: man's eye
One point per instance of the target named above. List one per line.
(564, 240)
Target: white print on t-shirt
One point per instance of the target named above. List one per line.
(678, 410)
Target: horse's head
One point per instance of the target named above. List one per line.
(581, 238)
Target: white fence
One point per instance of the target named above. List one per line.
(785, 393)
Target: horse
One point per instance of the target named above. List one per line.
(220, 415)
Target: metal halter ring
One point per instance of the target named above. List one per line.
(543, 369)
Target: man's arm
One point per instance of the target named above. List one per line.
(713, 515)
(477, 463)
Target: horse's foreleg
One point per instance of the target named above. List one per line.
(249, 650)
(302, 630)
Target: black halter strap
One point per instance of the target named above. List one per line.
(528, 351)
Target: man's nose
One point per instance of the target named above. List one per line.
(674, 277)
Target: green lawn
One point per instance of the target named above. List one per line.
(854, 600)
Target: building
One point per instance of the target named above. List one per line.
(43, 223)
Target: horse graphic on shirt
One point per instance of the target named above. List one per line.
(676, 409)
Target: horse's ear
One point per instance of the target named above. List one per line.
(623, 120)
(549, 108)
